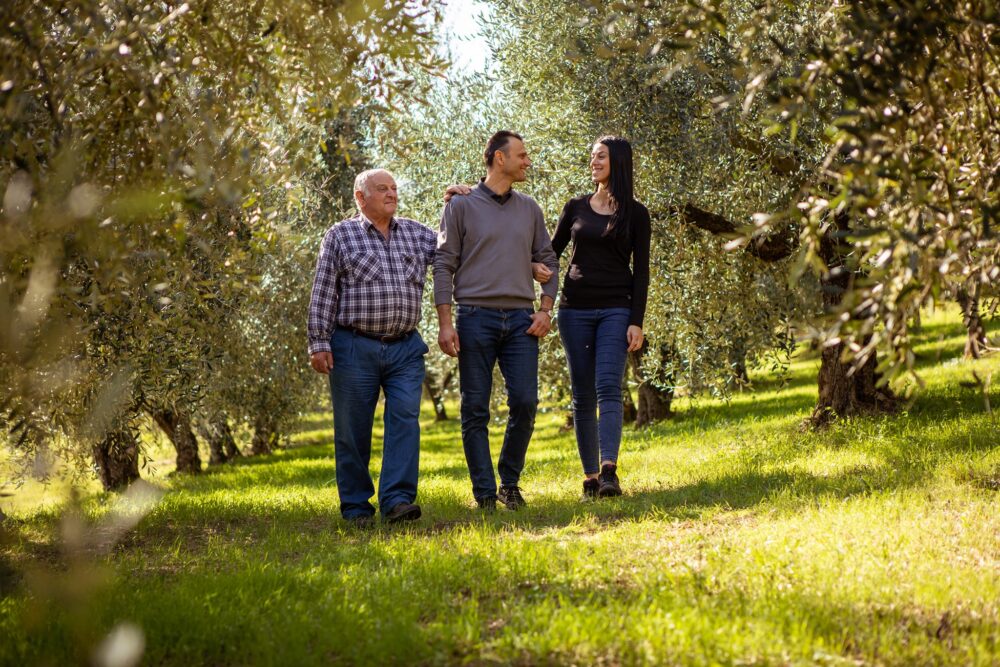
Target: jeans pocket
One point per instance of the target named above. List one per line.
(342, 348)
(422, 348)
(466, 310)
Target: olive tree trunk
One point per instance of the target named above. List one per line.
(740, 378)
(629, 410)
(846, 388)
(265, 436)
(435, 392)
(177, 426)
(654, 403)
(116, 458)
(221, 444)
(976, 341)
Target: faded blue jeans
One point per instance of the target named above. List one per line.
(488, 336)
(596, 350)
(361, 367)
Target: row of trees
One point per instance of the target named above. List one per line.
(166, 170)
(814, 170)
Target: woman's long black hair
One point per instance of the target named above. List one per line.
(619, 185)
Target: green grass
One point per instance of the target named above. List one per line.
(742, 540)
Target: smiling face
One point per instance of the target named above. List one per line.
(379, 198)
(513, 160)
(600, 164)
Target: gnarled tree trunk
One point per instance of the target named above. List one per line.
(738, 363)
(654, 403)
(845, 388)
(221, 444)
(629, 411)
(846, 394)
(265, 436)
(976, 341)
(435, 392)
(116, 458)
(177, 426)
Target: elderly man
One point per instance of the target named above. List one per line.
(486, 246)
(363, 316)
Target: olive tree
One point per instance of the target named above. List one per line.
(149, 157)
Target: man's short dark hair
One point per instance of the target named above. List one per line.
(498, 142)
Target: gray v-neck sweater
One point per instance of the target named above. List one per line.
(485, 250)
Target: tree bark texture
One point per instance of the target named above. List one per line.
(177, 426)
(221, 444)
(976, 341)
(845, 389)
(629, 411)
(265, 437)
(435, 392)
(654, 403)
(740, 378)
(117, 459)
(846, 394)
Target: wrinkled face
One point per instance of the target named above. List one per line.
(600, 164)
(515, 160)
(381, 197)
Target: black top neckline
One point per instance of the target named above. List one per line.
(594, 210)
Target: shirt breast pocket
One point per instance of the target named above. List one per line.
(415, 268)
(364, 267)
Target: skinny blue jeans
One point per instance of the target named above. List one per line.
(361, 367)
(488, 336)
(596, 348)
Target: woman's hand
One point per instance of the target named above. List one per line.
(634, 337)
(541, 273)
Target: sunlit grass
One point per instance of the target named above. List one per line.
(741, 538)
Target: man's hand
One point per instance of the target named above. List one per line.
(457, 189)
(448, 340)
(634, 337)
(322, 362)
(541, 324)
(541, 273)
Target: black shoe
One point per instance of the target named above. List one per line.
(402, 512)
(590, 487)
(608, 481)
(488, 505)
(362, 522)
(511, 497)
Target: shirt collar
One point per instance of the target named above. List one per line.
(368, 224)
(500, 199)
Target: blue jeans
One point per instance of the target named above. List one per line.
(487, 336)
(361, 367)
(596, 348)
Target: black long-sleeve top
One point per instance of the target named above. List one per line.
(604, 271)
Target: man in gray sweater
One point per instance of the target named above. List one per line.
(486, 245)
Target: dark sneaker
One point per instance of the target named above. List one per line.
(487, 504)
(402, 512)
(608, 481)
(590, 487)
(511, 497)
(362, 522)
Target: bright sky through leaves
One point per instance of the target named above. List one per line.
(462, 36)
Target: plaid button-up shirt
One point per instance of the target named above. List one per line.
(368, 282)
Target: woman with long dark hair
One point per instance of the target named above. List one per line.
(602, 305)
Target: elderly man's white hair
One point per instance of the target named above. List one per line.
(362, 180)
